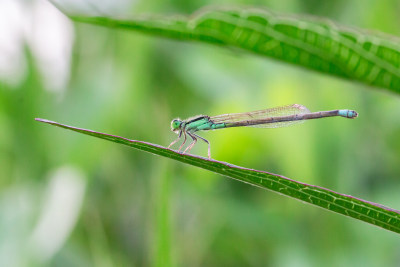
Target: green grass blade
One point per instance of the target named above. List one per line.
(366, 211)
(318, 44)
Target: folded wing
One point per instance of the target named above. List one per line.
(262, 114)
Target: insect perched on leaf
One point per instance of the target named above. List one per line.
(267, 118)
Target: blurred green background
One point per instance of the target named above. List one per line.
(71, 200)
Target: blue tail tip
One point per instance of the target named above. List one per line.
(348, 113)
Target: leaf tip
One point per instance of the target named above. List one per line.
(43, 120)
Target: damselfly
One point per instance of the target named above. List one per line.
(267, 118)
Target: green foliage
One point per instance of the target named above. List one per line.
(66, 200)
(317, 44)
(347, 205)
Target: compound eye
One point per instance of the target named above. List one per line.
(175, 124)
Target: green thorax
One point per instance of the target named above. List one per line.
(201, 123)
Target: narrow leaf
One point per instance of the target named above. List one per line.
(366, 211)
(318, 44)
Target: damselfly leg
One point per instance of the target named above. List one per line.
(205, 140)
(184, 141)
(191, 144)
(177, 139)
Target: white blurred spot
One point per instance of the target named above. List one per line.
(12, 60)
(50, 37)
(48, 33)
(61, 206)
(96, 7)
(17, 207)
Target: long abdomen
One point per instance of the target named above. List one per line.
(280, 120)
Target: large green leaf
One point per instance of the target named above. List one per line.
(319, 44)
(344, 204)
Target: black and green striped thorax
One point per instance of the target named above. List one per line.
(200, 123)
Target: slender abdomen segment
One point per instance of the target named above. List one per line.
(351, 114)
(348, 113)
(218, 126)
(296, 117)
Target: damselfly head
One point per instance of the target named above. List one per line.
(176, 125)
